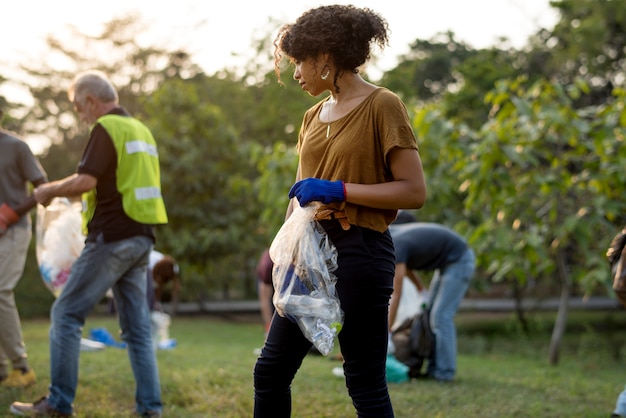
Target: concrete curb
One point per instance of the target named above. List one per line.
(467, 305)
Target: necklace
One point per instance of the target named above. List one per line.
(334, 106)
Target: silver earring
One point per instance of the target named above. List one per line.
(327, 73)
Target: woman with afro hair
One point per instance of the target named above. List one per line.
(357, 156)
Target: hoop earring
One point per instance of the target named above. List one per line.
(325, 75)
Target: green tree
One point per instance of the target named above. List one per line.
(428, 69)
(540, 177)
(476, 75)
(206, 180)
(456, 76)
(277, 170)
(588, 43)
(135, 70)
(539, 184)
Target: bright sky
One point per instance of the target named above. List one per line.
(213, 30)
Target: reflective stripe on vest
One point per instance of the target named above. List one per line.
(142, 193)
(140, 146)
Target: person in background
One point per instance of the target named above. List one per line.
(618, 273)
(266, 288)
(119, 179)
(430, 246)
(19, 169)
(405, 217)
(359, 158)
(162, 269)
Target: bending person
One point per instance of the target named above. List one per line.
(162, 269)
(429, 247)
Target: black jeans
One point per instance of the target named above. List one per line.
(366, 263)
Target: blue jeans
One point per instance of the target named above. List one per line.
(446, 292)
(620, 405)
(365, 282)
(121, 266)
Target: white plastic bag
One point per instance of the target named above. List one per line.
(411, 303)
(304, 286)
(59, 241)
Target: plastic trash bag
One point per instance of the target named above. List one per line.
(397, 372)
(161, 331)
(304, 286)
(59, 241)
(103, 336)
(411, 303)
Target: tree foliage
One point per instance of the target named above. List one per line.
(539, 184)
(428, 69)
(136, 71)
(206, 181)
(588, 42)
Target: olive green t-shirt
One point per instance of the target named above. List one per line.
(356, 150)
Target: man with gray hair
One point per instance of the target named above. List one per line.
(18, 169)
(119, 180)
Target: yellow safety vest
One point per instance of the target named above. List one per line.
(138, 174)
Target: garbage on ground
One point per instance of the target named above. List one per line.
(104, 336)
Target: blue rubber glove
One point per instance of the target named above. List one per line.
(325, 191)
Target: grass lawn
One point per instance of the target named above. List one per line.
(501, 372)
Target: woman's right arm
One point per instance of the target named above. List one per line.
(406, 191)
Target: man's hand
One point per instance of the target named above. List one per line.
(7, 217)
(325, 191)
(41, 195)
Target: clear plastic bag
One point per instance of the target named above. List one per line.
(304, 284)
(59, 241)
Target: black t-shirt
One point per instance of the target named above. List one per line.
(100, 160)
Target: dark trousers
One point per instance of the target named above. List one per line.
(365, 282)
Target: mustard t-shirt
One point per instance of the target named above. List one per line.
(356, 150)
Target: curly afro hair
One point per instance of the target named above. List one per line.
(343, 31)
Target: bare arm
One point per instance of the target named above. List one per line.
(265, 300)
(416, 279)
(406, 191)
(73, 185)
(30, 201)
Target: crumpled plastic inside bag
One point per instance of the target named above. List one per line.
(59, 241)
(304, 284)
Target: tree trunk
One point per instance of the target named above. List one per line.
(561, 317)
(518, 294)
